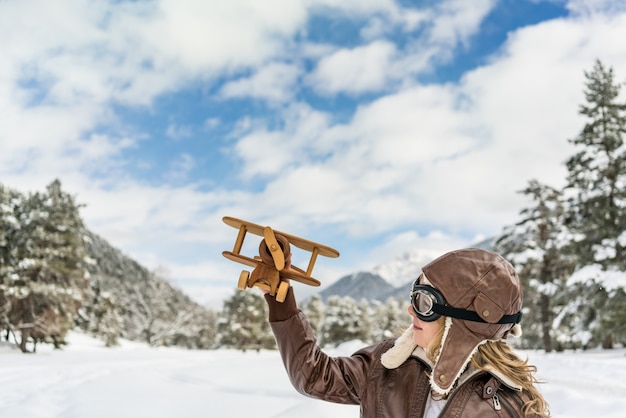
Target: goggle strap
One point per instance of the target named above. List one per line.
(473, 316)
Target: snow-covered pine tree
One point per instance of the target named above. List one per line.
(50, 266)
(391, 318)
(597, 190)
(11, 202)
(150, 308)
(597, 174)
(341, 321)
(534, 245)
(367, 321)
(100, 315)
(243, 323)
(313, 308)
(200, 332)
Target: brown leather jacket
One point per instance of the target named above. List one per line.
(361, 379)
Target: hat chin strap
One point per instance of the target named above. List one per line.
(473, 316)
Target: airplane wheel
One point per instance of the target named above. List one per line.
(243, 280)
(283, 288)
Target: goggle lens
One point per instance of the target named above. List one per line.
(423, 299)
(422, 303)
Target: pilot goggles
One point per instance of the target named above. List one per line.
(423, 300)
(429, 305)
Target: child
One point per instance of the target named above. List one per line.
(453, 361)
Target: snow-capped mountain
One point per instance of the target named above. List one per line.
(405, 268)
(386, 280)
(361, 285)
(390, 279)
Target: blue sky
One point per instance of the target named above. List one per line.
(372, 126)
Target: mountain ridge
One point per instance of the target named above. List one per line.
(388, 280)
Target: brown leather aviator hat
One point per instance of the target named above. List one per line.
(483, 283)
(479, 294)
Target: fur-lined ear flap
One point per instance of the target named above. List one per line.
(516, 331)
(401, 350)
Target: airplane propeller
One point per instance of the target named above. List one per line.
(276, 246)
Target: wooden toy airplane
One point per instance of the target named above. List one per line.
(273, 264)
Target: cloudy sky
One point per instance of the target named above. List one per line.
(372, 126)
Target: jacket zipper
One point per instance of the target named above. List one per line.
(508, 407)
(496, 402)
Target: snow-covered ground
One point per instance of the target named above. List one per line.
(87, 380)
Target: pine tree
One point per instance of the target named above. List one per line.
(535, 245)
(579, 324)
(341, 321)
(614, 318)
(243, 323)
(45, 257)
(100, 315)
(391, 319)
(198, 333)
(10, 204)
(597, 173)
(597, 185)
(313, 308)
(366, 321)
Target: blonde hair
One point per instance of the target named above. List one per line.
(499, 355)
(434, 346)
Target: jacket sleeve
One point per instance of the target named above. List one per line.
(311, 371)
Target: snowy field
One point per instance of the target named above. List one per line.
(87, 380)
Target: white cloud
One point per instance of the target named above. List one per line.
(457, 20)
(213, 36)
(180, 168)
(585, 7)
(176, 131)
(357, 7)
(269, 153)
(358, 70)
(378, 27)
(212, 123)
(274, 82)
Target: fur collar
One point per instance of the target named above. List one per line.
(402, 349)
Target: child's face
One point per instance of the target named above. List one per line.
(423, 332)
